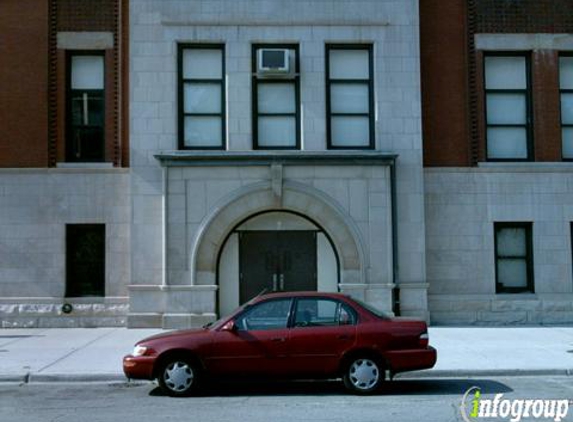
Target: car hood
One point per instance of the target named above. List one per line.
(174, 334)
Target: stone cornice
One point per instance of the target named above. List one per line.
(250, 158)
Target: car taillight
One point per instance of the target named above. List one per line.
(424, 340)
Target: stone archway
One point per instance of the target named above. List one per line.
(260, 197)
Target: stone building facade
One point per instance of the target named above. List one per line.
(329, 204)
(64, 181)
(232, 147)
(497, 152)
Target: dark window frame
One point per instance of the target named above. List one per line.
(370, 84)
(71, 148)
(181, 81)
(564, 91)
(530, 285)
(72, 287)
(528, 105)
(255, 81)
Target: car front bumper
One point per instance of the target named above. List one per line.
(138, 367)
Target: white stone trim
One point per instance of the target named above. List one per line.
(507, 167)
(519, 42)
(85, 40)
(106, 165)
(258, 197)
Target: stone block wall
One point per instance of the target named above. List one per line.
(157, 26)
(462, 206)
(35, 206)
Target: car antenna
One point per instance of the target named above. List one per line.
(262, 292)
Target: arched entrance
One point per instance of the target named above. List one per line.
(275, 251)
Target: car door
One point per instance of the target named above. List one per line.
(322, 330)
(258, 343)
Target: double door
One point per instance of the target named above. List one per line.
(276, 261)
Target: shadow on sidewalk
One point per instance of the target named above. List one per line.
(449, 386)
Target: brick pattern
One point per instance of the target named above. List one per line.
(524, 16)
(87, 15)
(444, 95)
(23, 80)
(546, 105)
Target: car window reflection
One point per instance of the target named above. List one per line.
(269, 315)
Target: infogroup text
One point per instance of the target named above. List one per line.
(474, 407)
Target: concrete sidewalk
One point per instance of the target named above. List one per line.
(69, 354)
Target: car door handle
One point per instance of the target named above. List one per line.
(344, 337)
(278, 339)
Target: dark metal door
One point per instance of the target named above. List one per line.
(276, 261)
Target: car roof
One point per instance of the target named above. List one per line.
(299, 294)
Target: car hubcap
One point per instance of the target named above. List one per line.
(178, 376)
(364, 374)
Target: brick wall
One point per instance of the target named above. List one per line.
(444, 79)
(23, 83)
(524, 16)
(96, 16)
(452, 74)
(87, 15)
(32, 119)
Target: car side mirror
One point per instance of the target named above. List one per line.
(229, 326)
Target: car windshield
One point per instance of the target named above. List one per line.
(236, 311)
(371, 309)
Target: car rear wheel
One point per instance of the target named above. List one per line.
(363, 375)
(178, 377)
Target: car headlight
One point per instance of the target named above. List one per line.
(139, 350)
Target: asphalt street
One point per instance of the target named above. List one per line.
(402, 400)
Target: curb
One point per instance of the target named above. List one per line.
(468, 373)
(30, 378)
(48, 378)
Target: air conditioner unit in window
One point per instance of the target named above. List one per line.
(273, 61)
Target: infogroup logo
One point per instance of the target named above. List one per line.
(473, 407)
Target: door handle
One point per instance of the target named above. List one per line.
(344, 337)
(278, 339)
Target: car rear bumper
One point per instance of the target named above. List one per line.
(138, 367)
(412, 359)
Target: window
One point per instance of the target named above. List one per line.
(508, 114)
(322, 313)
(566, 88)
(349, 97)
(201, 97)
(276, 101)
(514, 258)
(85, 107)
(85, 256)
(270, 315)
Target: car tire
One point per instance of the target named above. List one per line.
(363, 375)
(178, 377)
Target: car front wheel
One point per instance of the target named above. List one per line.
(363, 375)
(178, 377)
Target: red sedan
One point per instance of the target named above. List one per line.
(303, 335)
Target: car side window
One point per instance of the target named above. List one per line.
(270, 315)
(322, 313)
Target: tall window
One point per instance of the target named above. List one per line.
(349, 97)
(566, 87)
(85, 101)
(514, 258)
(201, 97)
(508, 110)
(85, 260)
(276, 97)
